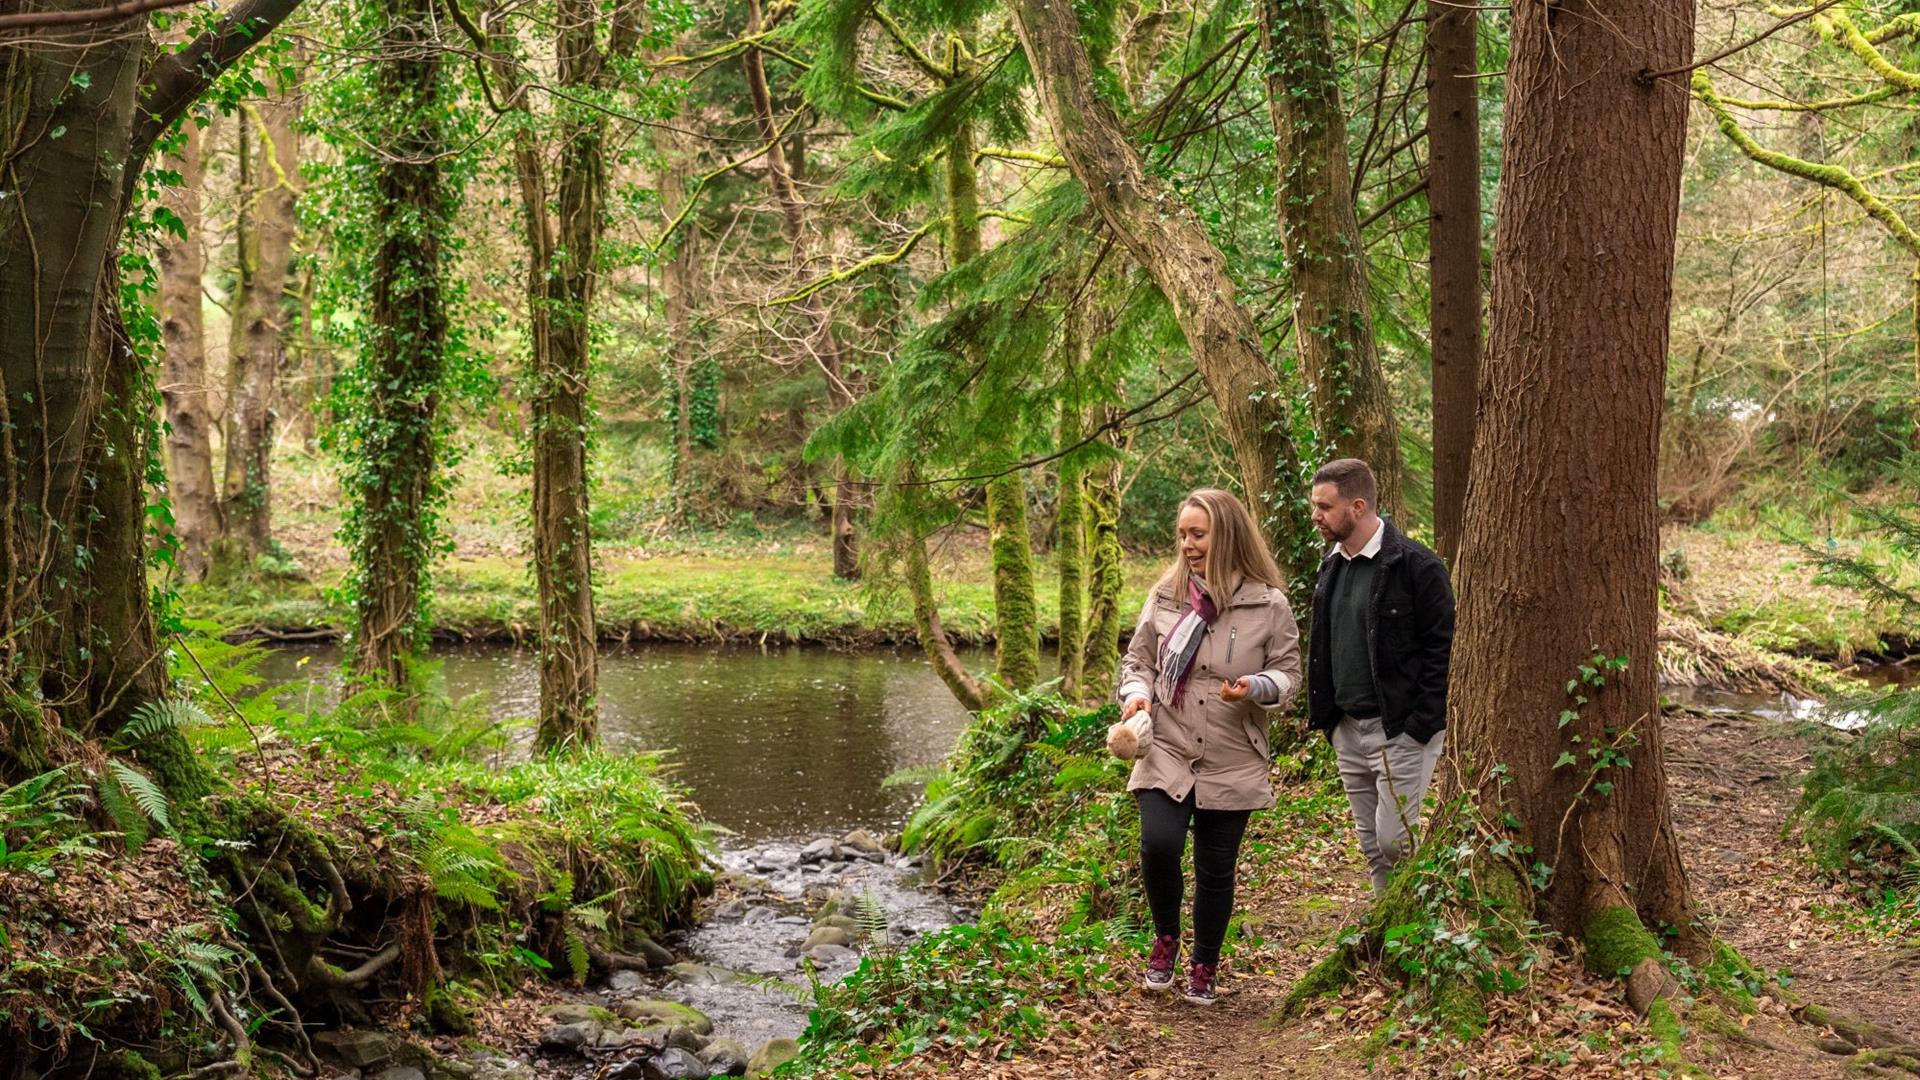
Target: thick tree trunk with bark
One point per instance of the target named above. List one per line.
(1106, 582)
(933, 637)
(1070, 519)
(183, 380)
(823, 343)
(1168, 241)
(1453, 241)
(1325, 256)
(78, 648)
(269, 160)
(406, 349)
(1560, 547)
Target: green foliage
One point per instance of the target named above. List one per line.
(1860, 803)
(41, 824)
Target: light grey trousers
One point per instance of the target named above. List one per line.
(1385, 780)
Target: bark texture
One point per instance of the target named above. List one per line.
(1070, 517)
(1560, 549)
(1453, 241)
(1105, 584)
(183, 381)
(269, 159)
(1325, 256)
(1168, 241)
(406, 349)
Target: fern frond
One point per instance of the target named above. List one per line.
(140, 786)
(166, 714)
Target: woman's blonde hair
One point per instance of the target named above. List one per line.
(1236, 551)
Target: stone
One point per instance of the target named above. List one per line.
(831, 955)
(490, 1066)
(724, 1057)
(357, 1048)
(665, 1013)
(657, 955)
(820, 850)
(572, 1037)
(758, 915)
(400, 1072)
(845, 922)
(828, 935)
(864, 842)
(704, 974)
(574, 1012)
(625, 982)
(674, 1063)
(731, 910)
(772, 1054)
(790, 920)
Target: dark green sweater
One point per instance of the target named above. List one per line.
(1348, 611)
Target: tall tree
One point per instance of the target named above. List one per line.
(78, 647)
(1453, 241)
(1070, 519)
(1561, 538)
(394, 438)
(183, 381)
(1325, 256)
(1167, 240)
(268, 152)
(822, 343)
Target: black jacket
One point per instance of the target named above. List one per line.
(1409, 626)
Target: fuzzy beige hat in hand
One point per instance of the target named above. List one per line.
(1129, 739)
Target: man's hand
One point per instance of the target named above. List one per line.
(1134, 704)
(1237, 690)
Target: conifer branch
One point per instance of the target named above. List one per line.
(1051, 161)
(861, 267)
(709, 176)
(921, 60)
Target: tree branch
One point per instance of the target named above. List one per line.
(861, 267)
(35, 20)
(1646, 77)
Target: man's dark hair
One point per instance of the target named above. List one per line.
(1352, 478)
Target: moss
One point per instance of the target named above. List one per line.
(1882, 1063)
(445, 1014)
(1616, 940)
(1460, 1009)
(1729, 975)
(1378, 1040)
(1016, 607)
(1326, 978)
(129, 1065)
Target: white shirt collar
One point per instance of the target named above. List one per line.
(1369, 550)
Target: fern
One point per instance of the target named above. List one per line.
(161, 715)
(577, 954)
(127, 818)
(915, 774)
(141, 788)
(872, 916)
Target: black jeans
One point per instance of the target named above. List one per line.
(1216, 850)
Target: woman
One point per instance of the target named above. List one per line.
(1215, 650)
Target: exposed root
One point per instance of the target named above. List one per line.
(325, 974)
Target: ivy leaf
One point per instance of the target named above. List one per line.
(1565, 758)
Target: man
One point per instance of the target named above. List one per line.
(1382, 637)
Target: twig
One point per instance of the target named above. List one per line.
(1646, 78)
(33, 20)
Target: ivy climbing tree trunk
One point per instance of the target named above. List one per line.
(1168, 241)
(1453, 242)
(78, 647)
(183, 380)
(1325, 256)
(263, 312)
(394, 447)
(1561, 538)
(823, 344)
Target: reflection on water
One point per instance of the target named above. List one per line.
(1838, 713)
(780, 743)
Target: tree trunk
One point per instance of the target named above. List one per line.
(406, 348)
(1016, 639)
(933, 637)
(183, 382)
(1070, 520)
(78, 647)
(1106, 583)
(1167, 240)
(1561, 539)
(824, 344)
(1325, 256)
(269, 160)
(677, 282)
(562, 533)
(1453, 241)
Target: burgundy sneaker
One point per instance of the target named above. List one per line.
(1166, 949)
(1200, 983)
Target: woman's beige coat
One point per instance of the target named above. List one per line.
(1216, 749)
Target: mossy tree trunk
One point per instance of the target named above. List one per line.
(268, 156)
(823, 344)
(183, 380)
(1453, 240)
(1100, 662)
(78, 646)
(933, 637)
(1168, 241)
(1324, 254)
(405, 357)
(1070, 519)
(1561, 538)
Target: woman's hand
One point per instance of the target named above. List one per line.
(1134, 704)
(1237, 690)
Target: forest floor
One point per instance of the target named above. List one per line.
(1734, 782)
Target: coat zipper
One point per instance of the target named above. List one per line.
(1231, 634)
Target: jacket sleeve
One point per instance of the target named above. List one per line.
(1433, 608)
(1140, 666)
(1282, 663)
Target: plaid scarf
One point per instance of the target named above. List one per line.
(1183, 643)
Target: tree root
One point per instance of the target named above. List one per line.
(1860, 1034)
(325, 974)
